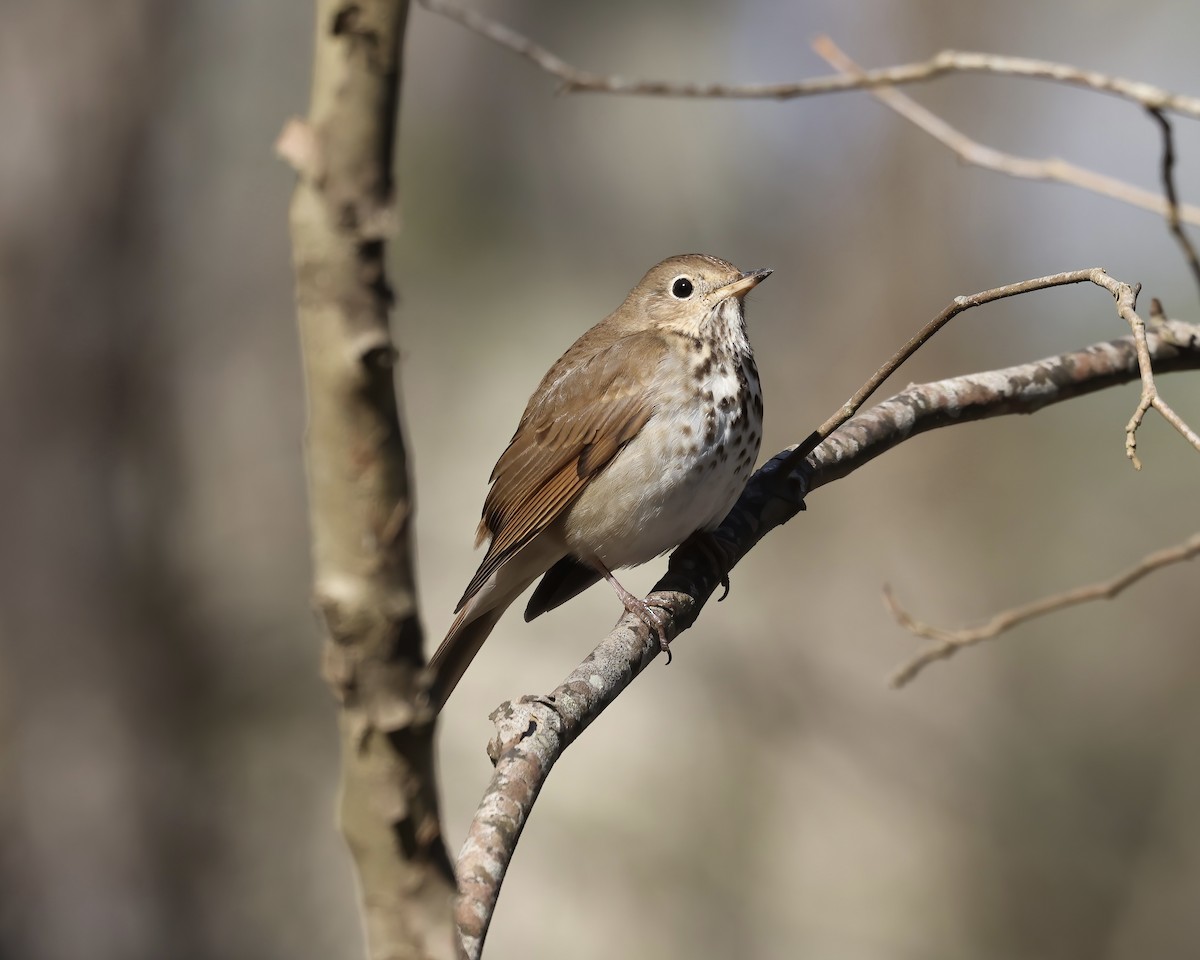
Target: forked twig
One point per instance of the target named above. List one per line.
(949, 642)
(1126, 300)
(1024, 168)
(952, 310)
(1058, 170)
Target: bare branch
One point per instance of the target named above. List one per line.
(1125, 296)
(1146, 400)
(952, 310)
(1150, 398)
(575, 80)
(1174, 210)
(358, 478)
(534, 731)
(1024, 168)
(1014, 166)
(949, 642)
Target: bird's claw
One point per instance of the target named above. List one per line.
(719, 553)
(644, 611)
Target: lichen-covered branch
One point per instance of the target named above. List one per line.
(534, 731)
(358, 477)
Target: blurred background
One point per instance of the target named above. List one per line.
(169, 753)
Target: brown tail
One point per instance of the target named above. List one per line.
(483, 605)
(457, 651)
(565, 580)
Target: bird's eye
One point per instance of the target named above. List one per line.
(681, 288)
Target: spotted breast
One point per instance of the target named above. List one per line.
(642, 433)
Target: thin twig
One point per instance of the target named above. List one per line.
(532, 732)
(1094, 275)
(1126, 297)
(1025, 168)
(575, 80)
(949, 642)
(1145, 399)
(1174, 211)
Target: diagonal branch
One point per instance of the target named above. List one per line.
(534, 731)
(1024, 168)
(575, 80)
(949, 642)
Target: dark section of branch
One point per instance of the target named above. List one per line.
(534, 731)
(1174, 216)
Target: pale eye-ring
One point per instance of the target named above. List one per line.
(681, 288)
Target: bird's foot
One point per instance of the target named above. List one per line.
(644, 610)
(721, 553)
(647, 612)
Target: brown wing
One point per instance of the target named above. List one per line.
(590, 404)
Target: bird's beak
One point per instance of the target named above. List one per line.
(742, 285)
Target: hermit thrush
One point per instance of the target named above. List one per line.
(644, 432)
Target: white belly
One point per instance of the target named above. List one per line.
(681, 473)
